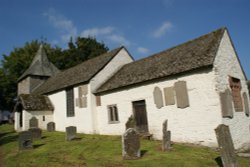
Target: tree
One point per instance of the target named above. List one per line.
(14, 65)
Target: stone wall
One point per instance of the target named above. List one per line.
(226, 65)
(193, 124)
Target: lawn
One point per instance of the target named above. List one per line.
(99, 151)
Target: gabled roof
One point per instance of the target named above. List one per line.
(31, 102)
(78, 74)
(191, 55)
(40, 65)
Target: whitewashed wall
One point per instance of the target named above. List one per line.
(226, 64)
(82, 118)
(27, 115)
(85, 118)
(194, 124)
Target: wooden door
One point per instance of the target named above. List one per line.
(140, 115)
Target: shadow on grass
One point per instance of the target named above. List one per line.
(219, 161)
(37, 145)
(8, 137)
(143, 152)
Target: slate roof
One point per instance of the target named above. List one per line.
(194, 54)
(40, 65)
(31, 102)
(78, 74)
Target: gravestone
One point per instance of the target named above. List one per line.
(36, 133)
(226, 146)
(131, 145)
(83, 102)
(166, 137)
(226, 104)
(25, 140)
(181, 94)
(70, 133)
(158, 97)
(130, 123)
(169, 96)
(246, 103)
(51, 127)
(33, 122)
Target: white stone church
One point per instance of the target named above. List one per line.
(196, 86)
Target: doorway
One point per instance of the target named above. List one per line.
(140, 115)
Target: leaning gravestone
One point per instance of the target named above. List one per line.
(51, 126)
(25, 140)
(70, 133)
(166, 138)
(226, 146)
(131, 144)
(33, 122)
(36, 133)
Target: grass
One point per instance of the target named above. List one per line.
(99, 151)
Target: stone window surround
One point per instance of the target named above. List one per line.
(113, 116)
(70, 107)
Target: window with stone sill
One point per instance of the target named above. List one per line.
(113, 114)
(70, 102)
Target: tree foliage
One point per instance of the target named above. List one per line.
(14, 65)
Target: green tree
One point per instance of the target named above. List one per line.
(14, 65)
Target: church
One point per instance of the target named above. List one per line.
(196, 86)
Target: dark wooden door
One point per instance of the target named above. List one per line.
(140, 115)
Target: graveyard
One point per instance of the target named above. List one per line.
(54, 149)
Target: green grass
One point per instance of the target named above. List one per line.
(97, 151)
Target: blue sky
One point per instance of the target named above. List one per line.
(143, 26)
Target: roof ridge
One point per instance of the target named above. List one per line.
(179, 45)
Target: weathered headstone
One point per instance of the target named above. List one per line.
(246, 103)
(181, 94)
(131, 144)
(83, 102)
(130, 123)
(158, 100)
(70, 133)
(25, 140)
(51, 127)
(226, 146)
(36, 133)
(226, 104)
(166, 137)
(33, 122)
(169, 96)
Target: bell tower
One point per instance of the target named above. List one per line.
(37, 73)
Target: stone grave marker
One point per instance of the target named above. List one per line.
(131, 145)
(181, 94)
(226, 146)
(36, 133)
(169, 96)
(246, 103)
(158, 100)
(33, 122)
(166, 137)
(51, 127)
(25, 140)
(226, 104)
(70, 133)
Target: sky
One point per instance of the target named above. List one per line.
(144, 27)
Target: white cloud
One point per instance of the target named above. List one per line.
(163, 29)
(65, 26)
(118, 39)
(93, 32)
(142, 50)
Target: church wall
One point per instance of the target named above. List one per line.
(193, 124)
(227, 65)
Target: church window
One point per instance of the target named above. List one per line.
(113, 114)
(70, 102)
(235, 86)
